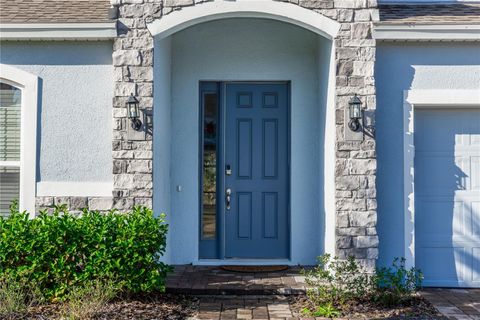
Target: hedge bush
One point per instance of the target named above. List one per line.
(58, 251)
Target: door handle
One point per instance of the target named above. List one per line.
(228, 198)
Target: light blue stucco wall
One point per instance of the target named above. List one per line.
(245, 49)
(75, 110)
(402, 67)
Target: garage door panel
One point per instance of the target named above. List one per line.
(447, 196)
(476, 264)
(440, 218)
(441, 175)
(475, 172)
(445, 263)
(475, 214)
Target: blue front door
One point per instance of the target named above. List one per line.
(256, 170)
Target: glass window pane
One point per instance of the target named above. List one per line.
(9, 188)
(10, 103)
(210, 114)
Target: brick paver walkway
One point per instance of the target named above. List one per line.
(232, 295)
(200, 280)
(459, 304)
(245, 307)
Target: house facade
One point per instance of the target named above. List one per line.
(269, 132)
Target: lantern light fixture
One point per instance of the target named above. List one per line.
(355, 113)
(134, 112)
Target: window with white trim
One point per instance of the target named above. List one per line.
(10, 147)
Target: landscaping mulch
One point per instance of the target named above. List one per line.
(156, 306)
(176, 307)
(417, 308)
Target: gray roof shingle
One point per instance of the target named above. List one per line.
(459, 13)
(54, 11)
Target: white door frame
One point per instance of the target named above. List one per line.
(413, 99)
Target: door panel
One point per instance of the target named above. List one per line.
(447, 210)
(256, 149)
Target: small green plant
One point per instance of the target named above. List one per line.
(84, 302)
(58, 251)
(327, 310)
(396, 284)
(334, 281)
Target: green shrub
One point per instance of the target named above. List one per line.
(334, 281)
(396, 284)
(59, 251)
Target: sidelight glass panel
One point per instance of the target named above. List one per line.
(209, 174)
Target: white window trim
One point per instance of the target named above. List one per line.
(413, 99)
(426, 32)
(28, 84)
(58, 31)
(74, 189)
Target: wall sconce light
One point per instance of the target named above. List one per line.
(134, 113)
(355, 113)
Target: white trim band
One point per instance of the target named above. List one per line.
(219, 9)
(432, 32)
(74, 189)
(58, 31)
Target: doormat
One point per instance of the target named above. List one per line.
(251, 269)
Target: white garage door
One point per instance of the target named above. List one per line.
(447, 196)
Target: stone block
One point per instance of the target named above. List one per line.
(363, 68)
(78, 203)
(178, 3)
(139, 166)
(345, 15)
(141, 73)
(357, 253)
(343, 220)
(100, 203)
(363, 219)
(123, 181)
(346, 53)
(351, 231)
(361, 30)
(43, 202)
(316, 4)
(127, 58)
(365, 242)
(347, 183)
(125, 89)
(362, 166)
(344, 242)
(351, 204)
(146, 202)
(362, 15)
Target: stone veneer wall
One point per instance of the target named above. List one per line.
(355, 160)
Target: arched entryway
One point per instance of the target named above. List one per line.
(247, 49)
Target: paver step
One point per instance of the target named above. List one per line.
(201, 280)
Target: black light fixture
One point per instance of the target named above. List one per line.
(134, 112)
(355, 113)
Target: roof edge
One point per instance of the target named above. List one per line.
(58, 31)
(426, 32)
